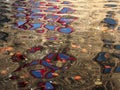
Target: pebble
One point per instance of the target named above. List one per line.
(84, 50)
(3, 72)
(76, 77)
(81, 40)
(59, 64)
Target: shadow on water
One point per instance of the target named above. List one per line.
(98, 88)
(109, 86)
(3, 20)
(3, 36)
(4, 10)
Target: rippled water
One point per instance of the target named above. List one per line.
(81, 35)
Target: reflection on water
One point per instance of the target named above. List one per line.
(71, 45)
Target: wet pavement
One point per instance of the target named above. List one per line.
(59, 45)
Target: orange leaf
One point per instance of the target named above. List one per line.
(77, 77)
